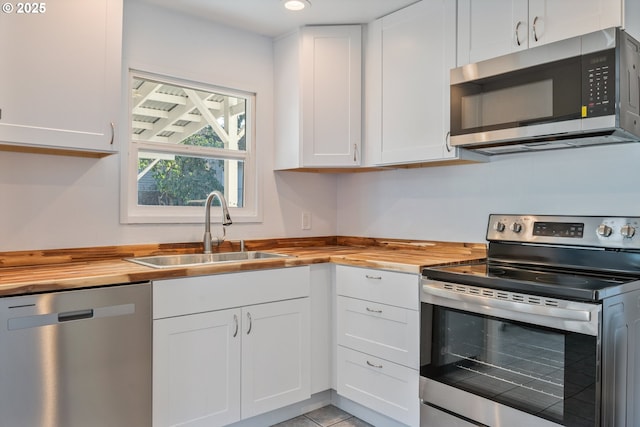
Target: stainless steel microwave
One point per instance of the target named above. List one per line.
(571, 93)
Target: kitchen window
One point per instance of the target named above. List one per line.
(186, 140)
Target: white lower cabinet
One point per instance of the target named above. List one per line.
(384, 330)
(217, 367)
(378, 337)
(322, 326)
(196, 369)
(378, 384)
(275, 355)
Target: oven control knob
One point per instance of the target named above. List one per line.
(516, 227)
(604, 230)
(627, 231)
(499, 227)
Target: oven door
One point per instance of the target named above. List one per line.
(492, 358)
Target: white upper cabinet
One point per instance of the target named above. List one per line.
(409, 55)
(490, 28)
(318, 97)
(61, 75)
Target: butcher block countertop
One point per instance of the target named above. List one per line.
(28, 272)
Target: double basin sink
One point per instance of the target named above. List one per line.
(190, 260)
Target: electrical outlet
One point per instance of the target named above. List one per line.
(306, 220)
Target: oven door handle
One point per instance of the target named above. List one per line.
(575, 316)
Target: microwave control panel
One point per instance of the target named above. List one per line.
(599, 83)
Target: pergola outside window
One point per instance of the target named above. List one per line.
(186, 141)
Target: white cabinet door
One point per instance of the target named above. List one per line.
(275, 355)
(552, 20)
(490, 28)
(418, 50)
(331, 95)
(318, 97)
(60, 71)
(196, 369)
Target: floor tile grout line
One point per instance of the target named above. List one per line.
(313, 421)
(350, 417)
(341, 421)
(333, 422)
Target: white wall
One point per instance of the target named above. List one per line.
(453, 202)
(58, 202)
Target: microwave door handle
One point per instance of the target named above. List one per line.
(512, 306)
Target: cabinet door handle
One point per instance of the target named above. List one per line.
(250, 323)
(447, 145)
(373, 365)
(368, 276)
(518, 42)
(535, 34)
(113, 133)
(235, 320)
(371, 310)
(355, 151)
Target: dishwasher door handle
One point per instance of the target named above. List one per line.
(75, 315)
(37, 320)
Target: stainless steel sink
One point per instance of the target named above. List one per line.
(187, 260)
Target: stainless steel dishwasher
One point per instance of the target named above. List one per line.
(76, 358)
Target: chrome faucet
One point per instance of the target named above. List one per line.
(226, 220)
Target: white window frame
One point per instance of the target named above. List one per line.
(132, 213)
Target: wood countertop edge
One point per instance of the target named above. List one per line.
(400, 256)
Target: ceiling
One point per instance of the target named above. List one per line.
(270, 18)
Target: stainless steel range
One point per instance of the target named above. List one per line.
(545, 332)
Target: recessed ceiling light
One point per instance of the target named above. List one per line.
(296, 4)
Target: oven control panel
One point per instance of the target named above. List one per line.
(594, 231)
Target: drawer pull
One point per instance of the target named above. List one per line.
(371, 310)
(368, 276)
(373, 365)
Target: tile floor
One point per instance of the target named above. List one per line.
(325, 417)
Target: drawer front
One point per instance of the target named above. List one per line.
(177, 297)
(387, 287)
(389, 332)
(380, 385)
